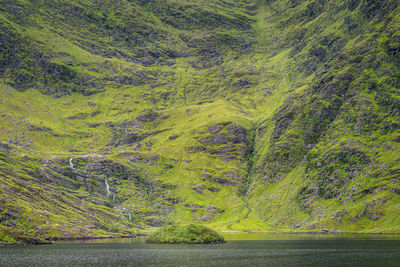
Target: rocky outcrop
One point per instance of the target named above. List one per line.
(226, 140)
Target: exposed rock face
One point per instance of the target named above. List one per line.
(373, 210)
(227, 140)
(199, 189)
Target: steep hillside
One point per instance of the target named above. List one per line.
(242, 115)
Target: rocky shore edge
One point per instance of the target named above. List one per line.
(38, 241)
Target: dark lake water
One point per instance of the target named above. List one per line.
(240, 250)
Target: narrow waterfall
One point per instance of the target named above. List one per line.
(107, 187)
(70, 163)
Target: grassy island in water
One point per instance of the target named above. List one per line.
(192, 233)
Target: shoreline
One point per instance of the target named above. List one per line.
(325, 233)
(50, 241)
(89, 237)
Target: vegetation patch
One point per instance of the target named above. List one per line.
(193, 234)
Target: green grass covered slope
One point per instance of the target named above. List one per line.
(240, 115)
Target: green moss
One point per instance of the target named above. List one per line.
(114, 229)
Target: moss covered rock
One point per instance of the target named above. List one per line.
(192, 233)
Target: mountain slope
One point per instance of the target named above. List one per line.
(243, 115)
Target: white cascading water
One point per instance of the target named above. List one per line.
(107, 187)
(70, 163)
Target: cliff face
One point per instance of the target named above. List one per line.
(243, 115)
